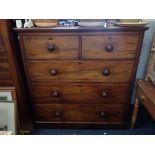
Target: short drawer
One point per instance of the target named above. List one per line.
(79, 113)
(71, 93)
(51, 47)
(109, 46)
(99, 71)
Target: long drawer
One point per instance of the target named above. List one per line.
(71, 93)
(109, 46)
(99, 71)
(51, 47)
(79, 113)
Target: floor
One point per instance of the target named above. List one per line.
(145, 126)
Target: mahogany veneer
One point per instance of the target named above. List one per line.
(82, 77)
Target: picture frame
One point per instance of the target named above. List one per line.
(8, 115)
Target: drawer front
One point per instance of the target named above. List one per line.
(81, 93)
(99, 71)
(51, 47)
(109, 46)
(79, 113)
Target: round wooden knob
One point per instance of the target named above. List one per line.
(142, 98)
(53, 72)
(57, 113)
(104, 94)
(55, 94)
(109, 47)
(106, 72)
(51, 47)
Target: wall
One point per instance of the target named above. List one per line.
(144, 57)
(147, 43)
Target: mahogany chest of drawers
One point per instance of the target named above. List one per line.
(80, 77)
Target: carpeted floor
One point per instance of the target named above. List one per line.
(145, 126)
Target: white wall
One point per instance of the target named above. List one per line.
(144, 57)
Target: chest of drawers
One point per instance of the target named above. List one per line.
(80, 77)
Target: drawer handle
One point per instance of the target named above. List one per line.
(106, 72)
(55, 94)
(103, 114)
(51, 48)
(53, 72)
(142, 98)
(104, 94)
(109, 47)
(58, 113)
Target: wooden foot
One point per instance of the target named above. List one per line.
(135, 112)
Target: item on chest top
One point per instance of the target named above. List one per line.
(130, 22)
(39, 24)
(45, 22)
(19, 24)
(68, 22)
(28, 23)
(111, 22)
(92, 24)
(62, 22)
